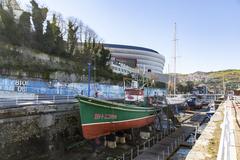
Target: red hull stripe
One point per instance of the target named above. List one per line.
(101, 129)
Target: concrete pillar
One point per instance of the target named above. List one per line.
(111, 141)
(120, 137)
(145, 135)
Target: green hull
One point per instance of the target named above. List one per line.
(99, 117)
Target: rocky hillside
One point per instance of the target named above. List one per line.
(214, 80)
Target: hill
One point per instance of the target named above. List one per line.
(215, 80)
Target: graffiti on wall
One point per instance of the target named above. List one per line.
(21, 86)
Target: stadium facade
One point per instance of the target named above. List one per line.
(145, 59)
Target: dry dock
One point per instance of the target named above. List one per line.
(167, 146)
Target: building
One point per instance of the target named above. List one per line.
(12, 5)
(121, 68)
(147, 60)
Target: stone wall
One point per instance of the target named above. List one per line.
(35, 134)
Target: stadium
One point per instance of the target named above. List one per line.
(142, 58)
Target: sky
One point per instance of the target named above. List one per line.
(208, 31)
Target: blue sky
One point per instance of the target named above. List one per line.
(208, 30)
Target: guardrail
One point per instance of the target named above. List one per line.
(223, 146)
(36, 100)
(225, 151)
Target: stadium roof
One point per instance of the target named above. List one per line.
(129, 47)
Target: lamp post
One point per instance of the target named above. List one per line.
(89, 78)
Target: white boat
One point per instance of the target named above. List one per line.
(178, 99)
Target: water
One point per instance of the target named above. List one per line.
(181, 153)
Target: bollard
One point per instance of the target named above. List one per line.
(168, 151)
(131, 154)
(137, 149)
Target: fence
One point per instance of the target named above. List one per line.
(35, 100)
(105, 91)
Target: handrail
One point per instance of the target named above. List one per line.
(36, 100)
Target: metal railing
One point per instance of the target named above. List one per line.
(225, 150)
(35, 100)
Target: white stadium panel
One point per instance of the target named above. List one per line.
(146, 58)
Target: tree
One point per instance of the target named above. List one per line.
(181, 88)
(48, 39)
(104, 57)
(53, 39)
(39, 16)
(189, 86)
(24, 27)
(10, 31)
(72, 37)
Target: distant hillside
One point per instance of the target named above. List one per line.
(214, 79)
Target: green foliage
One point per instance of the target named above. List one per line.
(103, 57)
(10, 31)
(33, 34)
(39, 16)
(160, 85)
(185, 88)
(24, 28)
(48, 39)
(72, 37)
(53, 39)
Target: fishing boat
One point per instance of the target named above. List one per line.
(133, 93)
(101, 117)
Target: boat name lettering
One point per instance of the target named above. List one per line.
(105, 116)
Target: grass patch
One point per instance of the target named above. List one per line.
(214, 142)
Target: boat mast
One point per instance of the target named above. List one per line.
(174, 59)
(169, 79)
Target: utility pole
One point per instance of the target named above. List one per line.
(174, 59)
